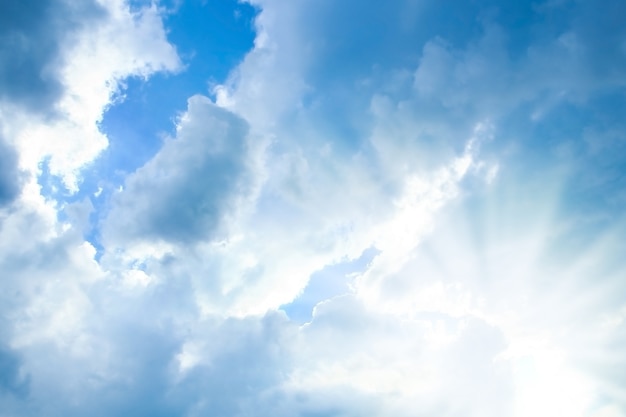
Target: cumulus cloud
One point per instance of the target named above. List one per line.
(182, 194)
(75, 57)
(32, 42)
(466, 83)
(456, 160)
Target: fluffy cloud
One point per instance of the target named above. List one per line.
(465, 161)
(70, 62)
(521, 92)
(32, 42)
(408, 366)
(182, 194)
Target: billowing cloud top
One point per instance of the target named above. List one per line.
(312, 208)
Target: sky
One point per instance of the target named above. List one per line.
(312, 208)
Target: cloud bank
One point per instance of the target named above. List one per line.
(436, 190)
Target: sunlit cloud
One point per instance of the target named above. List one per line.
(312, 208)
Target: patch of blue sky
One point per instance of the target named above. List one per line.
(334, 280)
(584, 141)
(211, 38)
(352, 64)
(386, 45)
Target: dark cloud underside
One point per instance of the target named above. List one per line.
(181, 194)
(32, 33)
(10, 176)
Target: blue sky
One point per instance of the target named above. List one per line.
(312, 208)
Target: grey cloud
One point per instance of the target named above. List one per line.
(10, 175)
(10, 379)
(134, 370)
(32, 34)
(244, 363)
(180, 195)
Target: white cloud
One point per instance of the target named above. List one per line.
(487, 296)
(301, 218)
(94, 60)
